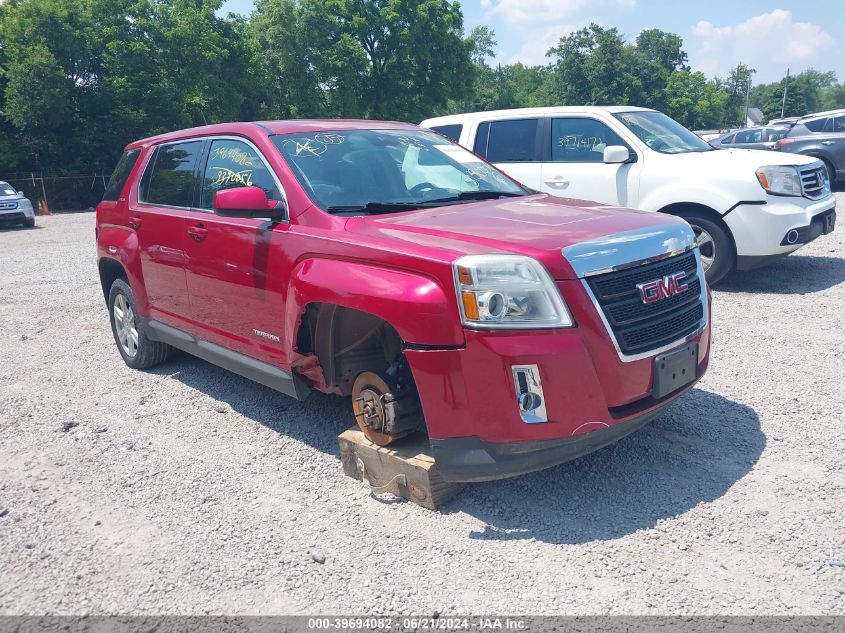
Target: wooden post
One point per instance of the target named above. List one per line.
(406, 470)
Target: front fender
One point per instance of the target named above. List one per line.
(418, 307)
(120, 244)
(710, 196)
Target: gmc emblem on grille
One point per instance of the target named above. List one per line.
(668, 286)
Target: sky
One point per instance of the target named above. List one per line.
(769, 37)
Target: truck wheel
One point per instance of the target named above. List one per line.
(383, 413)
(137, 350)
(29, 223)
(718, 253)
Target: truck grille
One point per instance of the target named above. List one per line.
(641, 327)
(8, 204)
(814, 182)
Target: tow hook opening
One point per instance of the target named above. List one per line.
(530, 399)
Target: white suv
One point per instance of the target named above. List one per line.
(746, 206)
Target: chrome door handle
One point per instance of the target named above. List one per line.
(558, 181)
(135, 222)
(827, 142)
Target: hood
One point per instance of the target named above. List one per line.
(737, 160)
(539, 226)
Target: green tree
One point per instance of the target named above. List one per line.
(737, 86)
(594, 66)
(666, 49)
(832, 97)
(695, 101)
(773, 103)
(373, 58)
(83, 77)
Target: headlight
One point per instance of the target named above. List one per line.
(508, 292)
(779, 179)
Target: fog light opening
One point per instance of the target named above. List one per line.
(792, 237)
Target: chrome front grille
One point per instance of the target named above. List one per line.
(814, 183)
(640, 328)
(8, 204)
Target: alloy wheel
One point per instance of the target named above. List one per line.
(124, 326)
(706, 246)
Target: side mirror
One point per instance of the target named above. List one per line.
(247, 202)
(616, 154)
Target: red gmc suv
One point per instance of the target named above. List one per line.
(382, 261)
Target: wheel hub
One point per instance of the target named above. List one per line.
(375, 408)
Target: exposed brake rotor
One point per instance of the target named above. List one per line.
(377, 411)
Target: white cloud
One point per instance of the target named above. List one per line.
(769, 42)
(539, 24)
(521, 11)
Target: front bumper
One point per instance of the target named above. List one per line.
(472, 459)
(22, 212)
(591, 398)
(759, 230)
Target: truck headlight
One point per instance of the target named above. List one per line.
(508, 292)
(780, 179)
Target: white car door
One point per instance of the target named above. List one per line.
(573, 163)
(513, 146)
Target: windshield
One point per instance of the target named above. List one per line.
(372, 171)
(661, 133)
(6, 189)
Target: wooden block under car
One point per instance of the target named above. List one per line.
(406, 470)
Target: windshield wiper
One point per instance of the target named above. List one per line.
(378, 207)
(480, 195)
(389, 207)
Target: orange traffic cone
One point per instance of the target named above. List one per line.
(43, 209)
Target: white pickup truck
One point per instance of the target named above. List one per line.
(745, 206)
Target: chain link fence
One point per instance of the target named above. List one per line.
(60, 192)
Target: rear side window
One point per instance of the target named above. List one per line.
(120, 174)
(451, 131)
(728, 140)
(507, 141)
(816, 125)
(776, 133)
(839, 124)
(749, 136)
(171, 177)
(235, 164)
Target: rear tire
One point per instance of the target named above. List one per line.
(718, 253)
(138, 351)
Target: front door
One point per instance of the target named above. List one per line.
(237, 267)
(575, 166)
(158, 217)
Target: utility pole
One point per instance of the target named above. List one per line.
(747, 92)
(785, 88)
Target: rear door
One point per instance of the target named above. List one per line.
(159, 219)
(836, 147)
(514, 146)
(575, 167)
(238, 268)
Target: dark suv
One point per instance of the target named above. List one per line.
(820, 135)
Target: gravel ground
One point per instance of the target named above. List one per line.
(189, 490)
